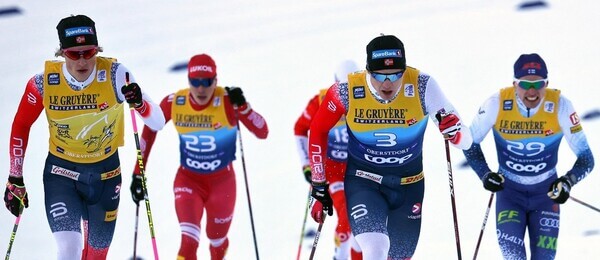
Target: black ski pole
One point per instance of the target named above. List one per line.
(246, 181)
(487, 213)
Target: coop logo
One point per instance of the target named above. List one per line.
(205, 166)
(526, 168)
(387, 160)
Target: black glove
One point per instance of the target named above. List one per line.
(137, 190)
(133, 94)
(236, 96)
(493, 181)
(15, 195)
(559, 190)
(307, 174)
(321, 193)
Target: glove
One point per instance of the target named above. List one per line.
(236, 96)
(307, 173)
(449, 125)
(559, 189)
(137, 190)
(133, 94)
(493, 181)
(323, 202)
(15, 195)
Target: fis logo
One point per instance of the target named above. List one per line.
(180, 100)
(409, 90)
(53, 79)
(549, 107)
(507, 105)
(358, 92)
(101, 76)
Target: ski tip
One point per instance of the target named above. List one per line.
(531, 5)
(591, 114)
(463, 165)
(310, 233)
(6, 11)
(179, 66)
(591, 232)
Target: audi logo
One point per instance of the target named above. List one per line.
(549, 222)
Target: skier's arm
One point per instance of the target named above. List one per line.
(330, 111)
(575, 137)
(480, 127)
(436, 102)
(29, 110)
(254, 122)
(302, 127)
(149, 111)
(149, 135)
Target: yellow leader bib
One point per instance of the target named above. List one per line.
(85, 126)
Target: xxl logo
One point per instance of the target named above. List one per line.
(526, 168)
(546, 242)
(387, 160)
(207, 166)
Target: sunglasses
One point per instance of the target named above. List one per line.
(201, 82)
(535, 84)
(391, 76)
(76, 55)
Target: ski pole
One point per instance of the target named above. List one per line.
(246, 182)
(135, 234)
(585, 204)
(303, 224)
(14, 232)
(141, 166)
(316, 241)
(487, 213)
(452, 199)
